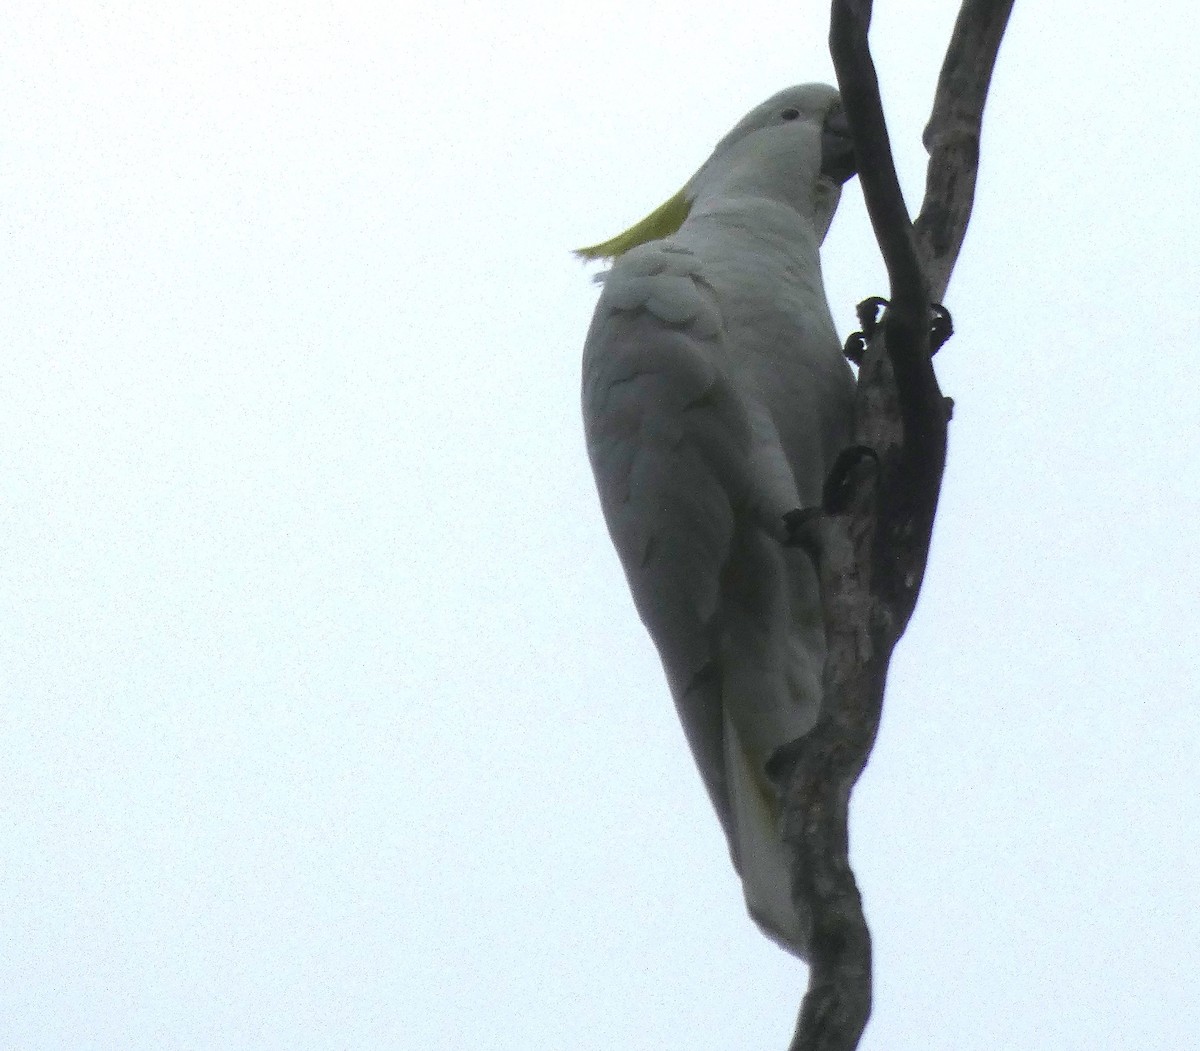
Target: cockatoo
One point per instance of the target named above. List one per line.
(715, 400)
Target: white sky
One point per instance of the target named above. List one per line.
(327, 720)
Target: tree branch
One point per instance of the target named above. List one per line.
(875, 544)
(952, 136)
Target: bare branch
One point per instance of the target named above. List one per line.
(874, 547)
(952, 136)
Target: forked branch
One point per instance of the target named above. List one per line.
(875, 542)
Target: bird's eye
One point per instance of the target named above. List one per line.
(790, 113)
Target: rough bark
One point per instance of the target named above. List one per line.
(875, 535)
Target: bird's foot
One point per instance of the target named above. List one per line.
(870, 313)
(802, 527)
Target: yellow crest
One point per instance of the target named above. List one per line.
(662, 222)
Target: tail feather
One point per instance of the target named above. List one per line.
(762, 858)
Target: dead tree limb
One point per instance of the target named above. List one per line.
(880, 506)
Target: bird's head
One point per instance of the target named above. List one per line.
(795, 148)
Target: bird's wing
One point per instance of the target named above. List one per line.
(669, 441)
(688, 479)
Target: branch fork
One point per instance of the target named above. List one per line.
(873, 540)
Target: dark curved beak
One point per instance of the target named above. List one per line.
(837, 147)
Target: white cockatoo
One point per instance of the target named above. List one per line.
(715, 400)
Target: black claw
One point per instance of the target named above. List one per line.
(941, 327)
(855, 348)
(839, 485)
(869, 311)
(949, 404)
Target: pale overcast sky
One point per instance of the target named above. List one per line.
(327, 720)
